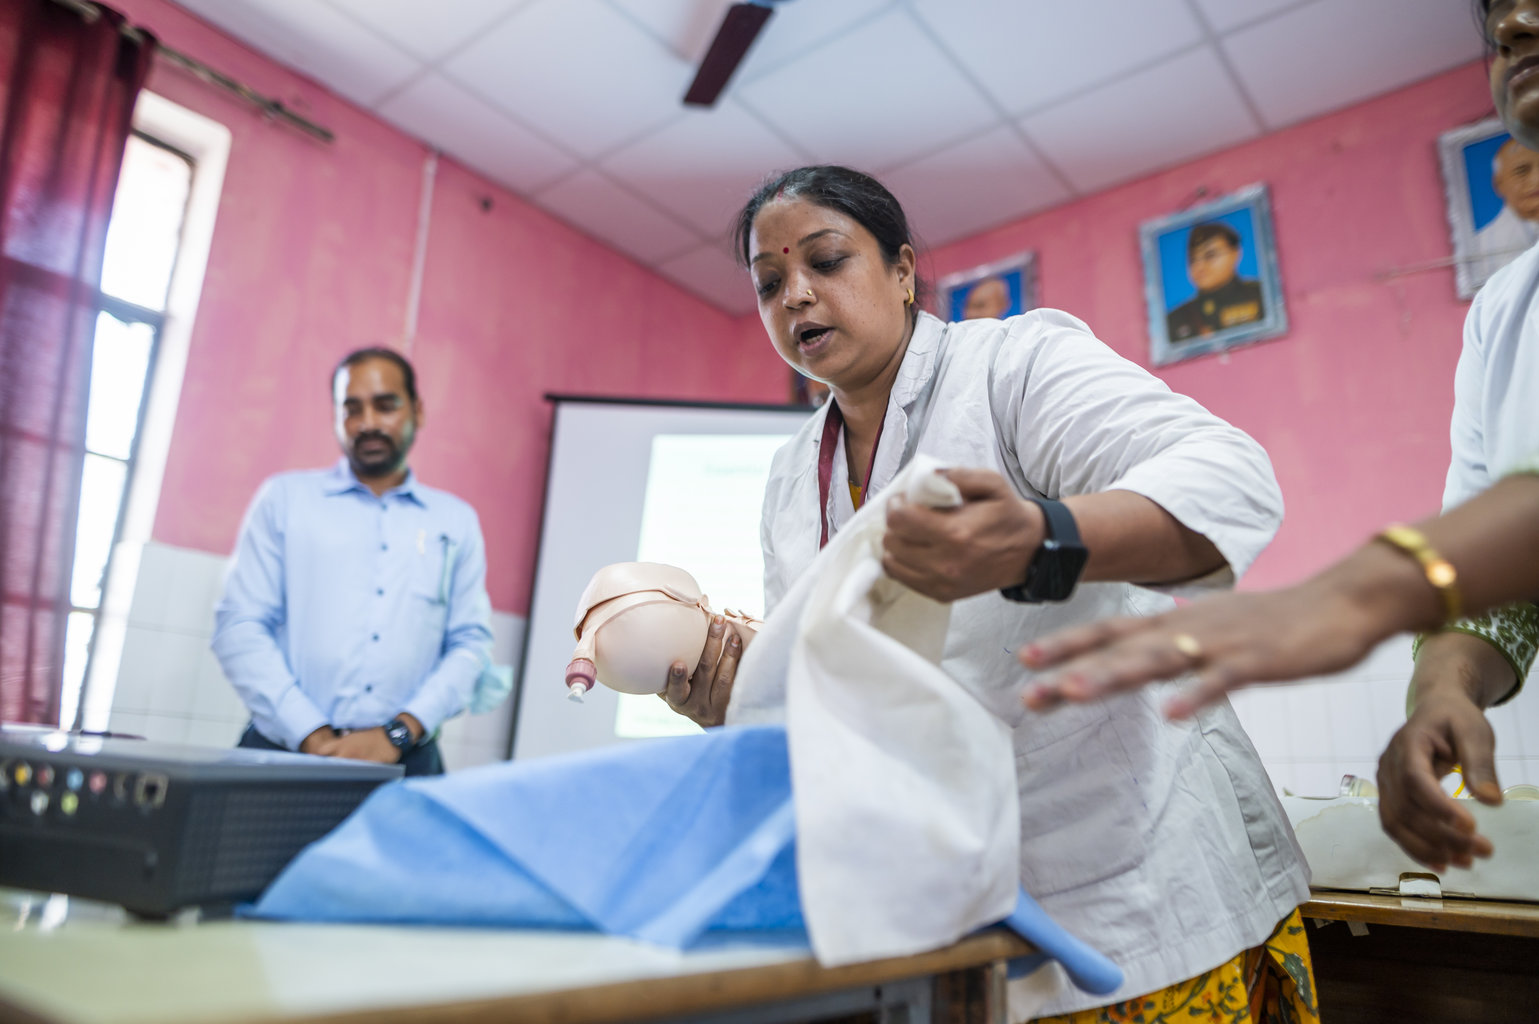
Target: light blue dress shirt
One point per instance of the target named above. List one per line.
(345, 609)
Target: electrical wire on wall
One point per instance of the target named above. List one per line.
(419, 255)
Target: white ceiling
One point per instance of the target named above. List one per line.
(975, 112)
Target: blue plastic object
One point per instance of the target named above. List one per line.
(662, 841)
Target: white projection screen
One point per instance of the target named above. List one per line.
(638, 481)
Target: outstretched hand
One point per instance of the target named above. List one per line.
(1226, 641)
(983, 544)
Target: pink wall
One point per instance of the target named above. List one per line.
(1353, 403)
(312, 256)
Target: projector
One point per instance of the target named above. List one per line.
(157, 827)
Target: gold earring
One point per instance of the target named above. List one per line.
(910, 300)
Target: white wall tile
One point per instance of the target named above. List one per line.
(458, 757)
(1350, 719)
(1509, 737)
(213, 697)
(507, 638)
(194, 588)
(1317, 778)
(1362, 767)
(1309, 734)
(127, 723)
(137, 670)
(151, 585)
(1388, 696)
(1524, 709)
(1518, 769)
(174, 672)
(1390, 660)
(208, 733)
(1261, 710)
(166, 728)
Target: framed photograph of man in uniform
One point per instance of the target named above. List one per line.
(1211, 277)
(994, 290)
(1492, 185)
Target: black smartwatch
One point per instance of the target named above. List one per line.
(399, 735)
(1055, 568)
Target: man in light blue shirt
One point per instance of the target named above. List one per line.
(355, 619)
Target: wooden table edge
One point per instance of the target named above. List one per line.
(1488, 917)
(649, 998)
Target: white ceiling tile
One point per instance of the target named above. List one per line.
(616, 217)
(688, 26)
(474, 133)
(1332, 53)
(715, 277)
(1030, 54)
(428, 30)
(526, 91)
(577, 70)
(979, 184)
(316, 39)
(846, 103)
(684, 26)
(799, 27)
(1127, 129)
(1224, 15)
(668, 165)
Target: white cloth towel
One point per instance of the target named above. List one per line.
(907, 817)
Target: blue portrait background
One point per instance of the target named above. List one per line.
(1178, 287)
(958, 297)
(1485, 204)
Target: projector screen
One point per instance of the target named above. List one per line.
(639, 482)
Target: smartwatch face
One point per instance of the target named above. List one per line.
(399, 735)
(1061, 568)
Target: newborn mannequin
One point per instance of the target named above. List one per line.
(634, 620)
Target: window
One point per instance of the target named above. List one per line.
(143, 239)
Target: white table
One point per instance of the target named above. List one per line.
(68, 962)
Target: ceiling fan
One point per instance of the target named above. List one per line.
(738, 30)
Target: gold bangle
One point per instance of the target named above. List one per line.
(1438, 570)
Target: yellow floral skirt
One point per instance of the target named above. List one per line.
(1274, 983)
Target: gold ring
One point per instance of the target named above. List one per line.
(1188, 645)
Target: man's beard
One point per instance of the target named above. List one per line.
(384, 457)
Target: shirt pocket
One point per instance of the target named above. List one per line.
(1083, 816)
(428, 590)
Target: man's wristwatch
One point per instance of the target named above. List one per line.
(399, 735)
(1056, 567)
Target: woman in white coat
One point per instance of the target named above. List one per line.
(1163, 845)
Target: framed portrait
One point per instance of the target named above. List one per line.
(1492, 186)
(999, 289)
(1211, 277)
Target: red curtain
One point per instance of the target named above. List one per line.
(67, 89)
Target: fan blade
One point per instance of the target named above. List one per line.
(738, 31)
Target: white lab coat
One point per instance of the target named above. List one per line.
(1499, 243)
(1161, 844)
(1495, 425)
